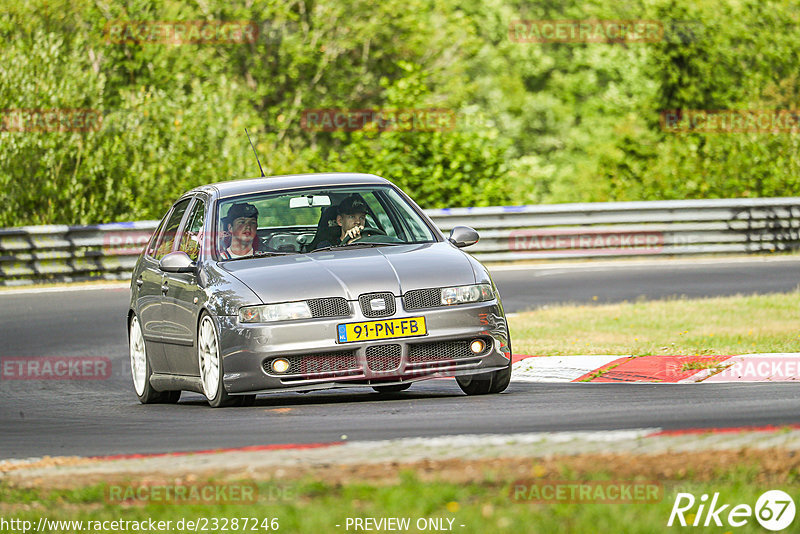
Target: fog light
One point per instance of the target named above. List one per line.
(477, 346)
(280, 365)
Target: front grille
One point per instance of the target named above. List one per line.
(383, 357)
(422, 298)
(330, 307)
(443, 350)
(313, 364)
(366, 308)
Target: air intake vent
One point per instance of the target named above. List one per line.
(383, 357)
(422, 298)
(330, 307)
(321, 363)
(443, 350)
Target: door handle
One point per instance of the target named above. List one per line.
(139, 282)
(164, 288)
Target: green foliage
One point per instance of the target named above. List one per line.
(735, 55)
(550, 122)
(466, 163)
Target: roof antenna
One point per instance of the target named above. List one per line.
(254, 152)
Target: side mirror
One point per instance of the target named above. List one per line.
(463, 236)
(177, 262)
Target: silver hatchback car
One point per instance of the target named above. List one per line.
(309, 282)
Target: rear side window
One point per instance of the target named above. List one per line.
(192, 237)
(167, 240)
(151, 246)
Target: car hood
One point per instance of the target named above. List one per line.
(350, 273)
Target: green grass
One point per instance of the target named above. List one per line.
(724, 325)
(483, 506)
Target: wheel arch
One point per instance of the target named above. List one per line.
(131, 313)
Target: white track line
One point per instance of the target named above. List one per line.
(598, 265)
(764, 367)
(557, 368)
(64, 289)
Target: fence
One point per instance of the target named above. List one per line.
(510, 233)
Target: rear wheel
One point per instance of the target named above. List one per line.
(141, 371)
(396, 388)
(211, 368)
(494, 382)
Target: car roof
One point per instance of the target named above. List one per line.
(290, 181)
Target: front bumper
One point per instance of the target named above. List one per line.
(317, 361)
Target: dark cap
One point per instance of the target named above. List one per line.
(241, 209)
(352, 205)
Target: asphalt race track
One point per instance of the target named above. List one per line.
(103, 417)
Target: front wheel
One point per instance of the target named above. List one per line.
(211, 368)
(141, 371)
(494, 382)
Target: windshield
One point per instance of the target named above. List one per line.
(305, 221)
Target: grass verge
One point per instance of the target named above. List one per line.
(491, 500)
(722, 325)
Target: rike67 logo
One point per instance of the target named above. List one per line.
(774, 510)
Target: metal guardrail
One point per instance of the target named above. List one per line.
(30, 254)
(613, 229)
(511, 233)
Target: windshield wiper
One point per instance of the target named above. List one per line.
(352, 245)
(264, 254)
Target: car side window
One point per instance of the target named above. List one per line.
(383, 222)
(192, 238)
(167, 240)
(418, 233)
(151, 245)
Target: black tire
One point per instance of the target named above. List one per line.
(395, 388)
(219, 397)
(482, 384)
(148, 394)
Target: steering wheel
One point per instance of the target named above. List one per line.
(367, 231)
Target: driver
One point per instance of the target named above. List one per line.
(242, 225)
(352, 217)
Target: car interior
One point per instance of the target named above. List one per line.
(304, 239)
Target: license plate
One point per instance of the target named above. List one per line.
(387, 329)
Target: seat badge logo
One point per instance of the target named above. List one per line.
(377, 305)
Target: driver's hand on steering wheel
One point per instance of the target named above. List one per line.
(352, 234)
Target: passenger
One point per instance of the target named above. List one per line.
(242, 226)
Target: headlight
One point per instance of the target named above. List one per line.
(465, 294)
(275, 312)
